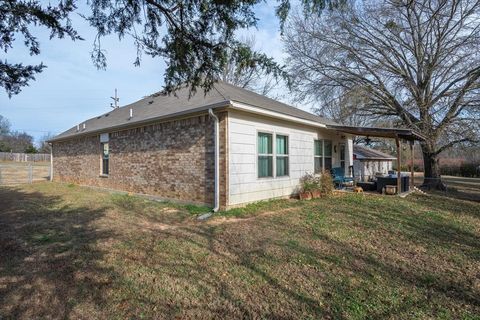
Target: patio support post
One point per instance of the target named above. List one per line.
(399, 169)
(412, 156)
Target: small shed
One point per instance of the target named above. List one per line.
(368, 163)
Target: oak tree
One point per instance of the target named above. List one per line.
(415, 62)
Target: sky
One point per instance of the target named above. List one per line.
(71, 90)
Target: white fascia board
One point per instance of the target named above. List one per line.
(261, 111)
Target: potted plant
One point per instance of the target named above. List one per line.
(316, 193)
(308, 186)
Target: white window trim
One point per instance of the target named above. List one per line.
(265, 154)
(287, 155)
(102, 174)
(323, 154)
(274, 154)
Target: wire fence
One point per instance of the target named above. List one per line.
(15, 173)
(24, 157)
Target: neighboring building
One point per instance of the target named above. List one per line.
(367, 163)
(165, 145)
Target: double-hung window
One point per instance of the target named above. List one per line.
(105, 158)
(281, 155)
(265, 155)
(323, 155)
(272, 158)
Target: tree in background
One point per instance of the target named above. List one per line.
(252, 75)
(194, 37)
(416, 63)
(14, 141)
(4, 126)
(43, 146)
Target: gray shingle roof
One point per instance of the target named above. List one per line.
(159, 106)
(365, 153)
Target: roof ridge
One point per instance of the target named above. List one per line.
(264, 97)
(216, 89)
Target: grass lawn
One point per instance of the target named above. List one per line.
(73, 252)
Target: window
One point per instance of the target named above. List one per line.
(105, 156)
(265, 155)
(322, 155)
(281, 155)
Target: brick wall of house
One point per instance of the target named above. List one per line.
(172, 160)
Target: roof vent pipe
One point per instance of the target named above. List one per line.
(84, 126)
(216, 156)
(131, 113)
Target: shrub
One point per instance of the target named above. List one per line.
(323, 183)
(463, 169)
(470, 169)
(326, 183)
(309, 182)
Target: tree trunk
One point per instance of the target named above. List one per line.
(432, 178)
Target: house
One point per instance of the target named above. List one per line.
(368, 162)
(224, 148)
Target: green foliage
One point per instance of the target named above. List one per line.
(259, 207)
(16, 19)
(194, 37)
(196, 210)
(200, 36)
(323, 183)
(31, 149)
(309, 182)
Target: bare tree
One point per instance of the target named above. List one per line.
(246, 73)
(43, 145)
(4, 126)
(416, 62)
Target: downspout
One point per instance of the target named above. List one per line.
(51, 161)
(216, 156)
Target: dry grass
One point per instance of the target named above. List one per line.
(70, 252)
(463, 188)
(14, 173)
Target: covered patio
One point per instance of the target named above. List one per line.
(398, 134)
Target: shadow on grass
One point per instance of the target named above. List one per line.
(49, 265)
(340, 298)
(428, 226)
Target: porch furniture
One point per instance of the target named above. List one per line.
(398, 134)
(392, 180)
(339, 178)
(367, 186)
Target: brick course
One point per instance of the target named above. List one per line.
(172, 160)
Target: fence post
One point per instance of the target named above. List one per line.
(30, 173)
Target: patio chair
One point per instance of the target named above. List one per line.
(339, 178)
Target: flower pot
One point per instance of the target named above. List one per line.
(307, 195)
(316, 194)
(390, 190)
